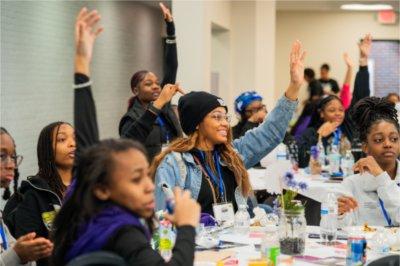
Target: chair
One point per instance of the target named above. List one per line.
(98, 258)
(390, 260)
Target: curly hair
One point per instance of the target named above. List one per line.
(226, 150)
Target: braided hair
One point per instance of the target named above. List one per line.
(372, 110)
(7, 192)
(46, 158)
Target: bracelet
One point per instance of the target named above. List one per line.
(170, 41)
(82, 85)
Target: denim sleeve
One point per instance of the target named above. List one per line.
(260, 141)
(167, 172)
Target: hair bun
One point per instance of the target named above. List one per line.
(370, 109)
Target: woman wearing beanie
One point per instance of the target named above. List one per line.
(207, 162)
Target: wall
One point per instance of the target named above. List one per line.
(325, 36)
(37, 65)
(234, 38)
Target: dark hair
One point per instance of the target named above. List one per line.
(372, 110)
(315, 89)
(7, 192)
(309, 72)
(135, 81)
(93, 167)
(316, 120)
(46, 158)
(325, 66)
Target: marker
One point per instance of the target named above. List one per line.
(170, 198)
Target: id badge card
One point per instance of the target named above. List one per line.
(223, 213)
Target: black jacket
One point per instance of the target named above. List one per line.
(131, 244)
(310, 136)
(36, 211)
(38, 208)
(140, 124)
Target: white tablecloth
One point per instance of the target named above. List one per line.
(313, 249)
(268, 179)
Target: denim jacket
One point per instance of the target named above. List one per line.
(252, 147)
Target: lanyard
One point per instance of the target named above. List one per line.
(337, 136)
(163, 126)
(217, 181)
(385, 213)
(387, 217)
(3, 236)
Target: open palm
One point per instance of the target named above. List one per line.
(365, 46)
(297, 56)
(86, 32)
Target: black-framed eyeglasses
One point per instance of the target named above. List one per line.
(16, 159)
(256, 109)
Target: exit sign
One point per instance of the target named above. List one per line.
(387, 17)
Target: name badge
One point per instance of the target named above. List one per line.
(223, 213)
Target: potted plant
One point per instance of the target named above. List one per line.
(292, 223)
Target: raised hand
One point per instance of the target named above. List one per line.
(166, 95)
(28, 248)
(347, 60)
(365, 46)
(297, 56)
(166, 12)
(368, 164)
(86, 32)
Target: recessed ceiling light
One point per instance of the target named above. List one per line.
(364, 7)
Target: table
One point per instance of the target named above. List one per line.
(318, 186)
(313, 250)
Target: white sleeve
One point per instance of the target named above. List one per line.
(389, 193)
(10, 258)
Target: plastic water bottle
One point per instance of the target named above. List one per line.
(270, 247)
(281, 154)
(329, 212)
(334, 160)
(166, 238)
(347, 164)
(242, 220)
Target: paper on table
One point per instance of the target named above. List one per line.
(240, 239)
(213, 256)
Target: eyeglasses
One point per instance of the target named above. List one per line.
(220, 117)
(257, 109)
(16, 159)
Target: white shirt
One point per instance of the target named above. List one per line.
(367, 190)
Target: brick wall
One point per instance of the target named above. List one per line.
(386, 57)
(37, 64)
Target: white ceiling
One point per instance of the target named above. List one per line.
(326, 5)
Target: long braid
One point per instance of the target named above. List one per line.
(46, 158)
(371, 110)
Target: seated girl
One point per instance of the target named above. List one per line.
(207, 162)
(375, 190)
(112, 192)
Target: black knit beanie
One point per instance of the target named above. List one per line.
(194, 106)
